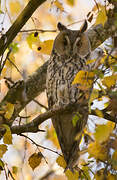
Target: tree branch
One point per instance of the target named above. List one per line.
(35, 84)
(38, 145)
(7, 38)
(33, 125)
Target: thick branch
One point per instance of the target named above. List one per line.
(36, 83)
(7, 38)
(33, 125)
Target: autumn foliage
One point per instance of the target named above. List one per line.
(36, 151)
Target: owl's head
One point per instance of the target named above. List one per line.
(72, 42)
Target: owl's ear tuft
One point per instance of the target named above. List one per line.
(84, 27)
(61, 27)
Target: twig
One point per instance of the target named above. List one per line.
(7, 56)
(106, 116)
(38, 145)
(27, 12)
(9, 173)
(47, 175)
(96, 5)
(9, 80)
(40, 104)
(24, 116)
(37, 30)
(79, 169)
(15, 66)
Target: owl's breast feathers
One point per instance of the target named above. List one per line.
(60, 92)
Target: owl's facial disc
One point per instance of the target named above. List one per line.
(81, 46)
(62, 44)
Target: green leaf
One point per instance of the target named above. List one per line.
(76, 118)
(14, 47)
(31, 39)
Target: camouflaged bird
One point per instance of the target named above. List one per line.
(70, 52)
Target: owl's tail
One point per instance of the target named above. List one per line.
(69, 127)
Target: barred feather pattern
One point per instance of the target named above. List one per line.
(60, 91)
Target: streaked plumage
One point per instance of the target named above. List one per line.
(70, 52)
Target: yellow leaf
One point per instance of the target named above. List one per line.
(12, 57)
(94, 95)
(86, 172)
(35, 160)
(108, 60)
(44, 47)
(100, 175)
(102, 17)
(84, 79)
(102, 132)
(9, 108)
(3, 149)
(90, 61)
(59, 5)
(111, 177)
(72, 176)
(7, 138)
(61, 162)
(99, 112)
(71, 2)
(1, 165)
(109, 81)
(15, 7)
(114, 160)
(97, 151)
(106, 104)
(8, 64)
(3, 73)
(51, 135)
(95, 8)
(14, 169)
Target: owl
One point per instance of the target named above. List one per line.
(71, 49)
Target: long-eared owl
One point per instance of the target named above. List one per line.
(70, 52)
